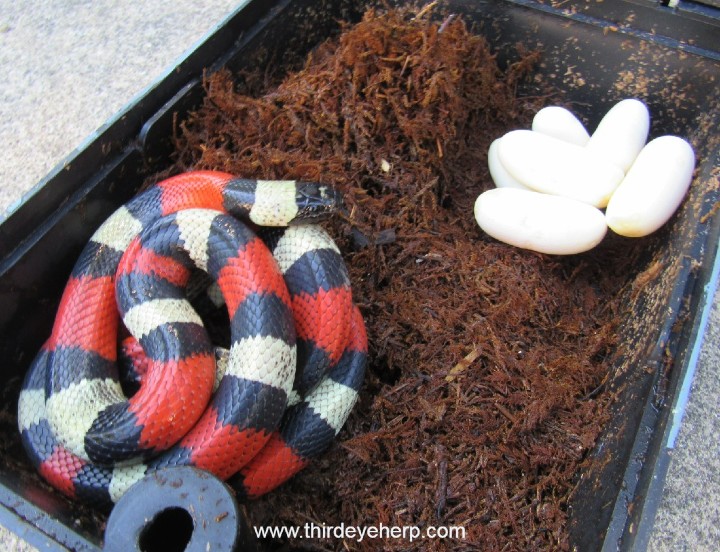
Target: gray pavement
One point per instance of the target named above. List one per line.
(68, 66)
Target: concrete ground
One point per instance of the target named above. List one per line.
(68, 65)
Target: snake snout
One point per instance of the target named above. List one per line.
(316, 201)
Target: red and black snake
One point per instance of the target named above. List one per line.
(291, 375)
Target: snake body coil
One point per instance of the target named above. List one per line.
(289, 379)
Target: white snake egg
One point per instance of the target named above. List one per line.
(560, 123)
(540, 222)
(556, 167)
(621, 134)
(653, 188)
(498, 173)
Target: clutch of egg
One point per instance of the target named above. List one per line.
(554, 180)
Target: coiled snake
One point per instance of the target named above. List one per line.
(289, 304)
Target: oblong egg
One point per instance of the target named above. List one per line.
(553, 166)
(653, 188)
(621, 133)
(560, 123)
(539, 222)
(498, 173)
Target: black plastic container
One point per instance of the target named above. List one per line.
(596, 53)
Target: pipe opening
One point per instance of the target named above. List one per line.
(169, 531)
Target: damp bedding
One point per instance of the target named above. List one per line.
(487, 364)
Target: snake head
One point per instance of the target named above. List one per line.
(316, 201)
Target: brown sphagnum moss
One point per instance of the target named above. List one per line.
(483, 393)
